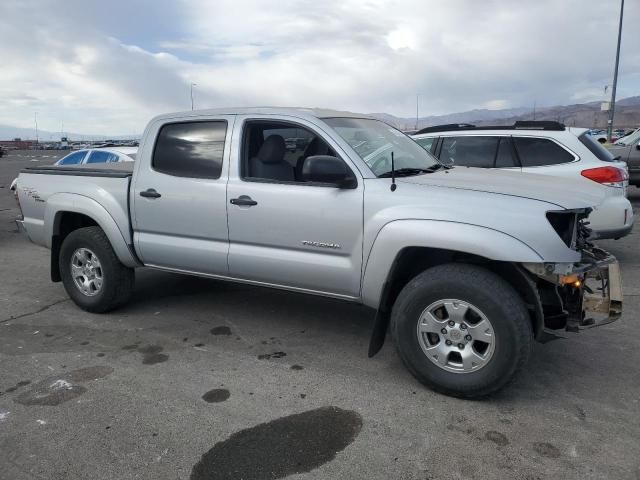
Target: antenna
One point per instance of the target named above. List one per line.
(393, 174)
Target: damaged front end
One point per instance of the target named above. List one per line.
(580, 295)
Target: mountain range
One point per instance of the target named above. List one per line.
(587, 115)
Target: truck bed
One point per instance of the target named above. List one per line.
(102, 194)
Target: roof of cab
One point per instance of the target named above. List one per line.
(289, 111)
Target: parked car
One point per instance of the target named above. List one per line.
(467, 266)
(627, 149)
(547, 148)
(99, 155)
(601, 136)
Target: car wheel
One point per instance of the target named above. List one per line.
(461, 330)
(91, 273)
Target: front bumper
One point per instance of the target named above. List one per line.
(599, 299)
(581, 295)
(602, 304)
(20, 226)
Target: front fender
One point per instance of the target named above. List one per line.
(70, 202)
(461, 237)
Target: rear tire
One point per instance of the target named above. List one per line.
(91, 273)
(454, 301)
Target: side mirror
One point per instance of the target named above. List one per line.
(329, 170)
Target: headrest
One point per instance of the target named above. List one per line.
(272, 150)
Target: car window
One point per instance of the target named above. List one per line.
(426, 142)
(101, 156)
(596, 148)
(469, 151)
(504, 155)
(375, 142)
(73, 158)
(536, 152)
(276, 151)
(190, 149)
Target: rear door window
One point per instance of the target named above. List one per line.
(190, 149)
(101, 156)
(538, 152)
(74, 158)
(504, 155)
(473, 151)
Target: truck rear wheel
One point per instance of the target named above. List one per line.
(461, 330)
(91, 273)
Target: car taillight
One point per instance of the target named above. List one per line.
(611, 176)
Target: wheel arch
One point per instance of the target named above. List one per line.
(392, 265)
(67, 213)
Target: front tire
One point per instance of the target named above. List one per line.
(461, 330)
(91, 273)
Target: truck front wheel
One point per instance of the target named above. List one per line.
(461, 330)
(91, 273)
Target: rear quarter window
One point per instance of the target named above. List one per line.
(190, 149)
(538, 152)
(596, 148)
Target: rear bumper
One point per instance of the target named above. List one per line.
(613, 233)
(613, 218)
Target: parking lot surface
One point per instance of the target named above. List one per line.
(196, 378)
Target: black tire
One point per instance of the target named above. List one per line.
(500, 303)
(117, 280)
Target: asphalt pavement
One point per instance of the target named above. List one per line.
(196, 378)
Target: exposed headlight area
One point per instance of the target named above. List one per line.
(571, 226)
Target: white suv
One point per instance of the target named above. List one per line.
(547, 148)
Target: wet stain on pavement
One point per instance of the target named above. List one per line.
(497, 438)
(546, 449)
(152, 354)
(216, 395)
(266, 356)
(297, 367)
(286, 446)
(55, 390)
(17, 386)
(222, 330)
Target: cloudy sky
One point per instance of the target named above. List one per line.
(108, 66)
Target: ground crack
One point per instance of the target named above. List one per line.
(40, 310)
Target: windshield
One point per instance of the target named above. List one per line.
(629, 139)
(374, 141)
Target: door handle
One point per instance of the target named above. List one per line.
(150, 193)
(243, 201)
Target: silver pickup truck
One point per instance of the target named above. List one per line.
(465, 267)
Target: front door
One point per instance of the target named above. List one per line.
(286, 231)
(179, 199)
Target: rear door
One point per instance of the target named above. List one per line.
(633, 162)
(179, 197)
(544, 156)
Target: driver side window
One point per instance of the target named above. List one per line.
(276, 151)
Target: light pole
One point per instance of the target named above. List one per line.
(612, 107)
(35, 119)
(192, 85)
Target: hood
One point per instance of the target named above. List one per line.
(562, 192)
